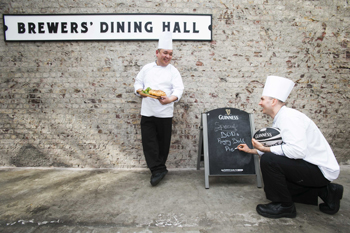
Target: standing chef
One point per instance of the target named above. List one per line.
(302, 168)
(157, 114)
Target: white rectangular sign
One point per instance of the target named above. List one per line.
(106, 27)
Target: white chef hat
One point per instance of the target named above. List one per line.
(165, 41)
(278, 87)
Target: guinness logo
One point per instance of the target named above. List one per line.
(228, 116)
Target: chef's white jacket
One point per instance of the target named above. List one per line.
(302, 139)
(167, 79)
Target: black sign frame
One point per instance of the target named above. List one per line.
(66, 24)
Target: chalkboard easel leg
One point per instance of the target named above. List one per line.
(257, 171)
(200, 147)
(256, 157)
(206, 150)
(206, 182)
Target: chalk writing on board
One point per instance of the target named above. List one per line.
(219, 127)
(229, 136)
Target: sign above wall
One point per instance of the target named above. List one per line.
(90, 27)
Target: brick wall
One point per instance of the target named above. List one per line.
(71, 104)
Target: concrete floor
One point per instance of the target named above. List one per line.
(107, 200)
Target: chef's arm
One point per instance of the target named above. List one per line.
(257, 146)
(260, 146)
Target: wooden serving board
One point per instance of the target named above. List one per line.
(146, 95)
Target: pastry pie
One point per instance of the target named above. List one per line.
(157, 93)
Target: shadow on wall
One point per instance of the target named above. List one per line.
(30, 156)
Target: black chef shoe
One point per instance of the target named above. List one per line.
(332, 200)
(157, 177)
(276, 210)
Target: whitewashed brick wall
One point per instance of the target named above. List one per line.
(71, 104)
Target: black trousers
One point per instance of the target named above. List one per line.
(291, 180)
(156, 138)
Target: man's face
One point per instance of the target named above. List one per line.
(266, 104)
(164, 56)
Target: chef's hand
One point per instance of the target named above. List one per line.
(246, 149)
(257, 145)
(167, 100)
(140, 90)
(243, 147)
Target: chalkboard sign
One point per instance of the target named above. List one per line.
(223, 130)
